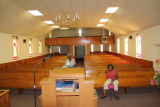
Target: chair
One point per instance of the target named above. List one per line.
(111, 90)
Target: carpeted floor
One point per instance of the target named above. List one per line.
(137, 97)
(26, 99)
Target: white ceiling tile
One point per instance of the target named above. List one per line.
(131, 16)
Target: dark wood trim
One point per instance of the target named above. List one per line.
(77, 41)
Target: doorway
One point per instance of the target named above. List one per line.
(79, 54)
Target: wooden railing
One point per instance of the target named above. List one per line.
(77, 41)
(4, 98)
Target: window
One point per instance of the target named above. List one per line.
(118, 45)
(50, 35)
(15, 47)
(30, 47)
(40, 48)
(110, 48)
(92, 48)
(59, 49)
(138, 46)
(110, 33)
(126, 46)
(50, 49)
(101, 47)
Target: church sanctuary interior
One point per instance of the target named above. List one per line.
(79, 53)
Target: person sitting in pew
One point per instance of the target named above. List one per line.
(69, 62)
(112, 78)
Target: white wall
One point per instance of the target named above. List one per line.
(150, 43)
(6, 48)
(158, 52)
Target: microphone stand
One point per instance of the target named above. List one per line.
(35, 77)
(35, 83)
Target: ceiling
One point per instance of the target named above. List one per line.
(132, 15)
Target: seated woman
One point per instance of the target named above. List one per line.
(69, 62)
(112, 78)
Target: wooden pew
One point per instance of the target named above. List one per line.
(22, 76)
(10, 65)
(142, 62)
(130, 74)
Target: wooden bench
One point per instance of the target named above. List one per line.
(130, 74)
(13, 64)
(22, 76)
(142, 62)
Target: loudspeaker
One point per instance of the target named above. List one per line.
(130, 37)
(24, 40)
(104, 39)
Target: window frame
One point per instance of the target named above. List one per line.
(15, 51)
(30, 47)
(139, 46)
(126, 46)
(118, 45)
(101, 48)
(92, 48)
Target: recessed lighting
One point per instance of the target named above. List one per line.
(55, 26)
(103, 20)
(99, 25)
(35, 12)
(111, 9)
(64, 28)
(49, 22)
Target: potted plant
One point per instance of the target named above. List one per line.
(156, 80)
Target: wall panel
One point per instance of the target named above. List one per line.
(77, 41)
